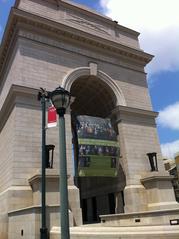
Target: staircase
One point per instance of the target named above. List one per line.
(137, 232)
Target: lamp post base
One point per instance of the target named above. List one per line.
(44, 233)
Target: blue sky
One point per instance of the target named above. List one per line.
(158, 23)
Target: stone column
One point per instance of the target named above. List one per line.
(137, 137)
(119, 203)
(74, 196)
(134, 191)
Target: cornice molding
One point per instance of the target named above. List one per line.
(156, 178)
(133, 115)
(13, 98)
(131, 110)
(71, 33)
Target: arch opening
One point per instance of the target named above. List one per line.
(93, 97)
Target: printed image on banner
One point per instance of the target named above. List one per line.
(52, 117)
(98, 149)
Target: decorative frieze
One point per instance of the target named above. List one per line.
(19, 18)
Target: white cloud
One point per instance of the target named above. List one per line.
(158, 23)
(169, 117)
(170, 149)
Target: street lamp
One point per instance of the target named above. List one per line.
(61, 100)
(43, 97)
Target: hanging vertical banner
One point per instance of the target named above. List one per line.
(98, 148)
(52, 117)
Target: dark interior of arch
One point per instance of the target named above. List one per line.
(92, 97)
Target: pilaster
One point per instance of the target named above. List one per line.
(137, 137)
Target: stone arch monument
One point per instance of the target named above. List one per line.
(51, 43)
(96, 94)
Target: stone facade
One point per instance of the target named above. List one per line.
(51, 43)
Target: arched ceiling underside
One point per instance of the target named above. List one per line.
(92, 97)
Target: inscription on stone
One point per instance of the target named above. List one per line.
(84, 22)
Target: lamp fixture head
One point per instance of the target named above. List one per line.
(60, 99)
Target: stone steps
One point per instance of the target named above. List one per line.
(99, 232)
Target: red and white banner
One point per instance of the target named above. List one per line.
(52, 117)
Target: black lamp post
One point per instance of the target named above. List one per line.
(61, 100)
(43, 97)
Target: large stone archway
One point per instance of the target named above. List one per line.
(92, 70)
(96, 95)
(52, 43)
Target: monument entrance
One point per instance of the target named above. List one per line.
(98, 172)
(110, 128)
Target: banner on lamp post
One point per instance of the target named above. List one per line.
(52, 117)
